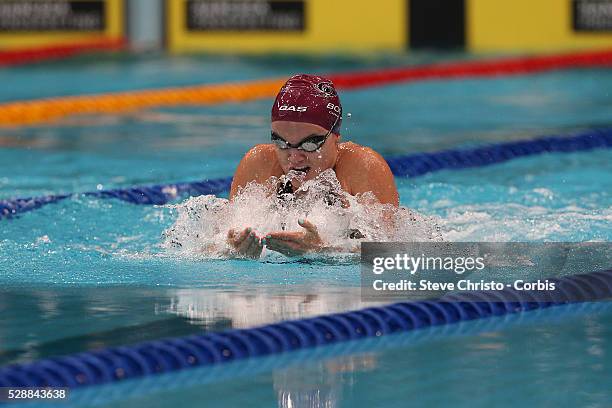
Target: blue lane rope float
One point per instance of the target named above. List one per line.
(182, 379)
(143, 195)
(169, 355)
(419, 164)
(404, 166)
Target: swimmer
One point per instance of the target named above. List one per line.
(306, 120)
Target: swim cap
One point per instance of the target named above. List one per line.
(309, 99)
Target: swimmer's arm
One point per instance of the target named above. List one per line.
(298, 243)
(290, 248)
(243, 244)
(257, 166)
(374, 175)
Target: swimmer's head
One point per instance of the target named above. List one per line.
(306, 115)
(309, 99)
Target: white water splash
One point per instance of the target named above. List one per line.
(495, 222)
(203, 222)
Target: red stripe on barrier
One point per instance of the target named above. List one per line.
(32, 55)
(506, 66)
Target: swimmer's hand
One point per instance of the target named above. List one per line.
(245, 243)
(295, 243)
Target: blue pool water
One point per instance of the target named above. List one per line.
(87, 273)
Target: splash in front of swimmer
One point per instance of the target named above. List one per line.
(306, 121)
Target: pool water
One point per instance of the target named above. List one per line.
(553, 358)
(87, 273)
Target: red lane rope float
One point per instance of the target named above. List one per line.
(45, 110)
(38, 54)
(466, 69)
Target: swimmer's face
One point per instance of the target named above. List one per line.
(311, 163)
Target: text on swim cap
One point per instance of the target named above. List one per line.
(293, 108)
(333, 107)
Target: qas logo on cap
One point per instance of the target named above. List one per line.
(326, 87)
(293, 108)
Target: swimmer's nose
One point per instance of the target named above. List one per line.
(296, 156)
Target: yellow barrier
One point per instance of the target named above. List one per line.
(346, 26)
(114, 27)
(527, 25)
(47, 110)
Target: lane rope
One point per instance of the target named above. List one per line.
(250, 367)
(168, 355)
(34, 112)
(405, 166)
(59, 51)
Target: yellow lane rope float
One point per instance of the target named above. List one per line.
(48, 110)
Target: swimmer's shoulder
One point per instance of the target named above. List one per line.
(352, 154)
(258, 165)
(259, 154)
(361, 169)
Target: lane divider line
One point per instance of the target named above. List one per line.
(115, 364)
(404, 166)
(59, 51)
(34, 112)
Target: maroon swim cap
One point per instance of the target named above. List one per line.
(310, 99)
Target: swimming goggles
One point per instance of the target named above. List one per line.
(310, 144)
